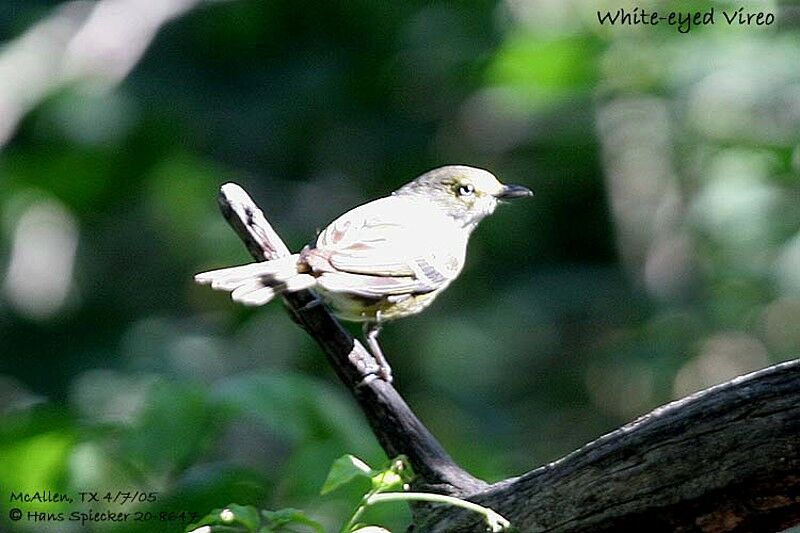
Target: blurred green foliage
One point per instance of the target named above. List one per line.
(661, 254)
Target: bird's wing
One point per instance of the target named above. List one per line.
(371, 286)
(390, 238)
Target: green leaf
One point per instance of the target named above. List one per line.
(245, 515)
(249, 519)
(394, 476)
(233, 515)
(51, 450)
(344, 470)
(387, 480)
(282, 517)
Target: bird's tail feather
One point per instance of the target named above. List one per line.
(258, 283)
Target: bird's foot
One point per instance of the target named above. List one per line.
(385, 371)
(366, 364)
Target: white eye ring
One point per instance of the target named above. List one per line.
(466, 189)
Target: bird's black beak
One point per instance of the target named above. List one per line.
(513, 191)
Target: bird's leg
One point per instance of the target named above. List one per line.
(371, 331)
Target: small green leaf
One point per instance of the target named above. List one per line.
(394, 476)
(246, 516)
(387, 480)
(210, 519)
(283, 517)
(233, 515)
(344, 470)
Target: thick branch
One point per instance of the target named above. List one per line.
(397, 428)
(725, 459)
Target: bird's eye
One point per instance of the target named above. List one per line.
(467, 189)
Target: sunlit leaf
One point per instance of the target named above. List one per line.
(344, 470)
(394, 476)
(246, 517)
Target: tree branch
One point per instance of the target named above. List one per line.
(726, 459)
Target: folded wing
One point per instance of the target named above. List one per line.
(390, 246)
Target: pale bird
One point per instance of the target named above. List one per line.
(383, 260)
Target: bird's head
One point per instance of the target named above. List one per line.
(466, 194)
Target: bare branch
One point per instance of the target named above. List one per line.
(249, 224)
(726, 459)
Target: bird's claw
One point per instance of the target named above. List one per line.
(385, 373)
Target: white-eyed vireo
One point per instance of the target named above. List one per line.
(385, 259)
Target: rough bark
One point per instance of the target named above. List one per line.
(725, 459)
